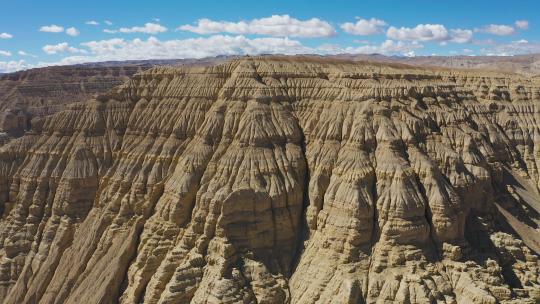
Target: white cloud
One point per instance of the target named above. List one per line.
(59, 29)
(120, 49)
(60, 48)
(5, 53)
(23, 53)
(430, 32)
(92, 22)
(513, 48)
(52, 28)
(276, 25)
(364, 27)
(5, 36)
(72, 31)
(422, 32)
(148, 28)
(153, 48)
(12, 66)
(522, 24)
(388, 47)
(497, 29)
(107, 22)
(461, 36)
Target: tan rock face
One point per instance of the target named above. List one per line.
(279, 180)
(44, 91)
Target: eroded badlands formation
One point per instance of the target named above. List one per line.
(44, 91)
(527, 64)
(279, 180)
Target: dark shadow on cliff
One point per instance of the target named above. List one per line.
(483, 248)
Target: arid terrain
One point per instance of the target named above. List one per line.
(528, 65)
(44, 91)
(272, 180)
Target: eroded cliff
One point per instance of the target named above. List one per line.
(44, 91)
(279, 180)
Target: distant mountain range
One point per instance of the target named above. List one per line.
(522, 64)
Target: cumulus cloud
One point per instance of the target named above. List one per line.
(153, 48)
(121, 49)
(388, 47)
(92, 22)
(497, 29)
(364, 27)
(52, 29)
(60, 48)
(5, 53)
(522, 24)
(148, 28)
(430, 32)
(422, 32)
(461, 36)
(107, 22)
(72, 31)
(5, 36)
(11, 66)
(275, 25)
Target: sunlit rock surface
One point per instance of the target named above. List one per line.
(279, 180)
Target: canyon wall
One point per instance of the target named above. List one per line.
(279, 180)
(44, 91)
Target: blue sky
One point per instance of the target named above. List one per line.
(39, 33)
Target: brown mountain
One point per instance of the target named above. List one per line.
(279, 180)
(522, 64)
(44, 91)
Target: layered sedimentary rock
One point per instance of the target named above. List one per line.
(45, 91)
(527, 64)
(279, 180)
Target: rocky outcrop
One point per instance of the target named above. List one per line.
(279, 180)
(14, 121)
(45, 91)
